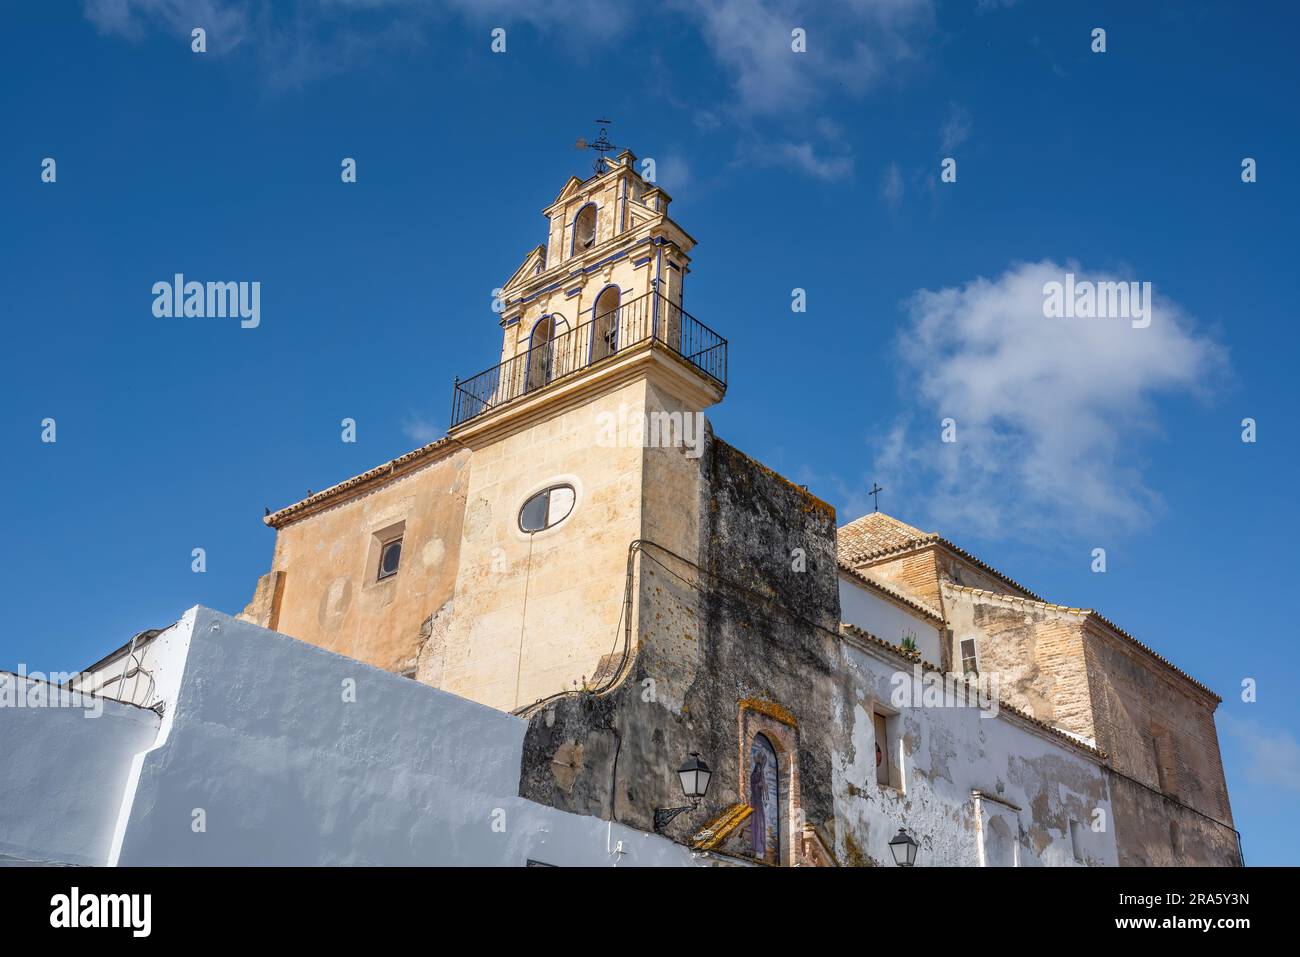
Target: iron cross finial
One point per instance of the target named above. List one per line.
(875, 495)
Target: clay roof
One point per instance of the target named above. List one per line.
(867, 638)
(374, 476)
(891, 591)
(1085, 613)
(878, 535)
(877, 532)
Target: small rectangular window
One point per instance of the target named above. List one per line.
(882, 749)
(889, 768)
(1076, 841)
(969, 659)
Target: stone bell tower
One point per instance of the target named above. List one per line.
(582, 439)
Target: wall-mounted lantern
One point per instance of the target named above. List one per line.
(694, 776)
(904, 848)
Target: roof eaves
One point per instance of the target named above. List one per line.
(389, 469)
(890, 592)
(930, 539)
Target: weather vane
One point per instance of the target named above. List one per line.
(601, 145)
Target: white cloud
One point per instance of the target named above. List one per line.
(419, 430)
(1272, 758)
(1049, 412)
(848, 46)
(956, 129)
(226, 24)
(674, 174)
(805, 158)
(851, 46)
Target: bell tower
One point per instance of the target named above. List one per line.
(582, 438)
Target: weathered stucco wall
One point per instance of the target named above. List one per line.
(330, 592)
(1034, 784)
(536, 613)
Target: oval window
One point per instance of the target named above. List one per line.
(548, 507)
(390, 558)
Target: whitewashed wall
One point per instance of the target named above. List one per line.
(883, 618)
(66, 770)
(948, 753)
(256, 735)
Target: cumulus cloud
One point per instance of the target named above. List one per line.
(1050, 413)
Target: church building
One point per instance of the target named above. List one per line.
(641, 628)
(568, 554)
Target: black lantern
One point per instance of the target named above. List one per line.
(904, 848)
(694, 776)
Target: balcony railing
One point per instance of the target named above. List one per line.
(648, 319)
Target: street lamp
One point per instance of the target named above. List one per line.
(904, 848)
(694, 776)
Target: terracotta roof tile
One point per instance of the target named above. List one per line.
(877, 532)
(878, 535)
(377, 474)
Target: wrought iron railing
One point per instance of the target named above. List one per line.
(648, 319)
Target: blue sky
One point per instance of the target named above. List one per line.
(817, 171)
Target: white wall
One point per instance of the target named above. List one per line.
(259, 737)
(948, 753)
(886, 620)
(66, 770)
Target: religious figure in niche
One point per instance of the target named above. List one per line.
(764, 791)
